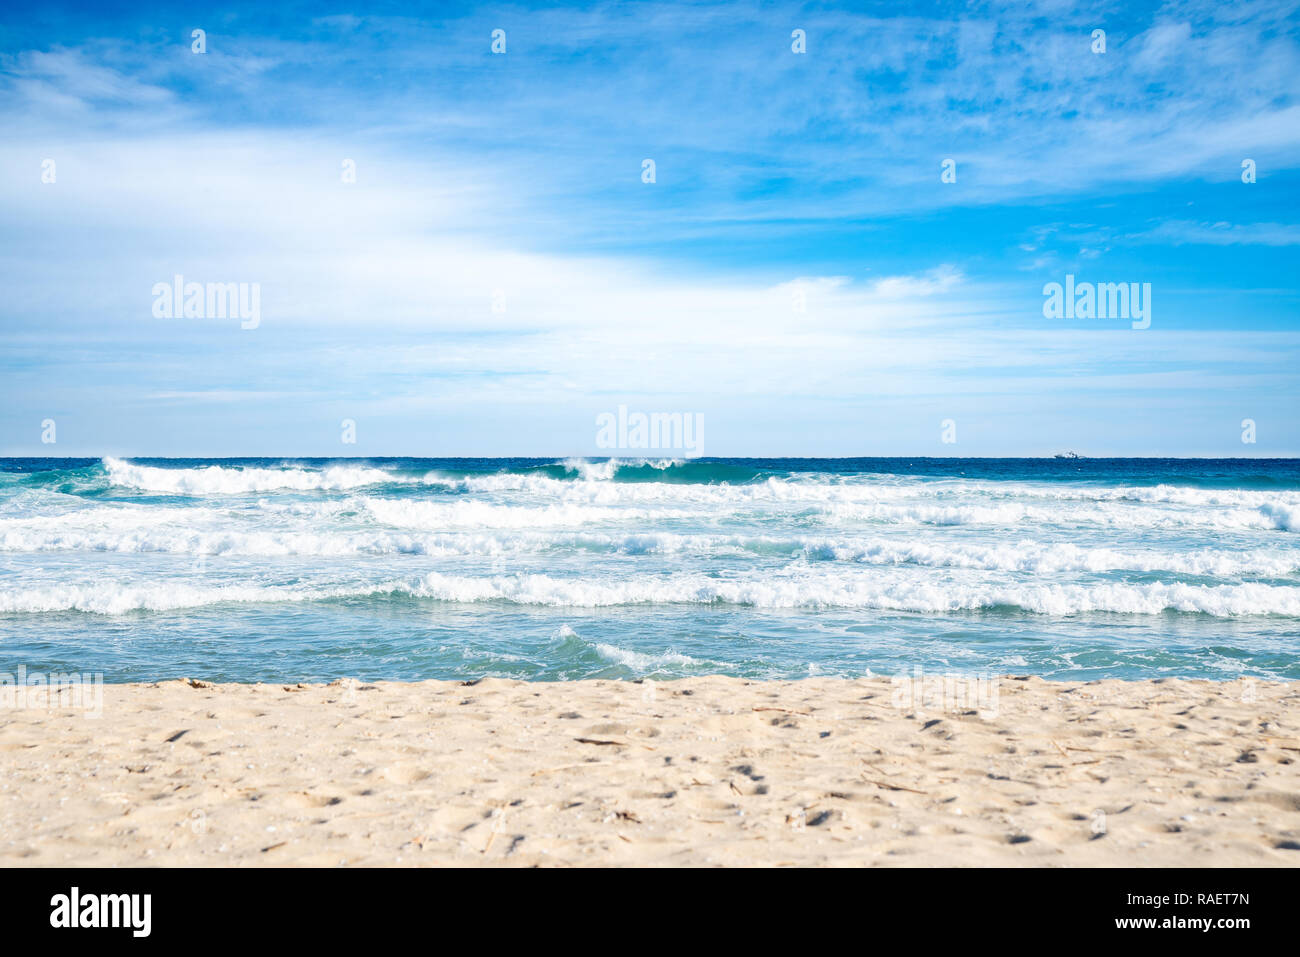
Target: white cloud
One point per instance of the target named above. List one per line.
(1179, 232)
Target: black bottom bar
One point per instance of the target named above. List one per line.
(333, 907)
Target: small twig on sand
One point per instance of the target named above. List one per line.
(784, 710)
(569, 767)
(497, 819)
(893, 787)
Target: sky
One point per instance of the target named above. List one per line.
(457, 250)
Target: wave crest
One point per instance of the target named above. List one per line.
(227, 480)
(844, 591)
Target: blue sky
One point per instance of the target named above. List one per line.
(514, 180)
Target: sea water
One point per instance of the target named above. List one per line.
(313, 569)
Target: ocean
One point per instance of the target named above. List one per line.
(313, 569)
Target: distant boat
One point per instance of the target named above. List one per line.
(1068, 455)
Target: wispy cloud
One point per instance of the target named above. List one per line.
(1181, 231)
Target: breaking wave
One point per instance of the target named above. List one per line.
(763, 591)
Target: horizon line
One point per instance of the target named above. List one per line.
(683, 459)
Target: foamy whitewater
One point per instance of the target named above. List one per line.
(273, 570)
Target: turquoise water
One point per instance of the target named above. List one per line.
(309, 570)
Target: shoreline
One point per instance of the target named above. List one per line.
(688, 771)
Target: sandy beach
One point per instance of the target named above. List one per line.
(705, 771)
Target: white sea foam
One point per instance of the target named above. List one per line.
(1097, 514)
(229, 480)
(109, 598)
(604, 471)
(594, 478)
(1284, 516)
(472, 513)
(833, 499)
(868, 592)
(765, 591)
(646, 505)
(464, 528)
(608, 503)
(640, 661)
(917, 504)
(1051, 559)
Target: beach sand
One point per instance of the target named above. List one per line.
(700, 771)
